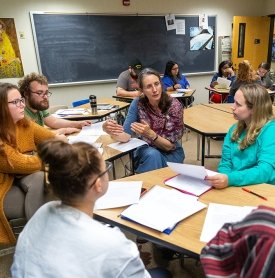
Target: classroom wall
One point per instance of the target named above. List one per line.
(225, 10)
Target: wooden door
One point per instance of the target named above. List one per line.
(250, 40)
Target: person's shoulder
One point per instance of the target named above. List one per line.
(124, 73)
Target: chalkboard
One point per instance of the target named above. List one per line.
(73, 48)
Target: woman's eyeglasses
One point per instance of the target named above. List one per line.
(17, 102)
(109, 166)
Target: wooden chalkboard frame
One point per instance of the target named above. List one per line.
(54, 37)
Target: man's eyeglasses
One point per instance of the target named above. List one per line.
(42, 94)
(109, 166)
(17, 102)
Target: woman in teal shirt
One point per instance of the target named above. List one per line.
(248, 155)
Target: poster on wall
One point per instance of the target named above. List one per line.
(201, 39)
(10, 58)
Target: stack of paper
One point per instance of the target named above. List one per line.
(190, 178)
(73, 111)
(120, 194)
(218, 214)
(162, 208)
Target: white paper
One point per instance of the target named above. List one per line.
(191, 178)
(177, 95)
(170, 22)
(82, 138)
(133, 143)
(218, 214)
(180, 26)
(162, 208)
(93, 129)
(120, 194)
(223, 83)
(203, 21)
(73, 111)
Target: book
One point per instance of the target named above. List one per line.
(162, 208)
(190, 179)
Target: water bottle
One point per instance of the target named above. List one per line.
(93, 104)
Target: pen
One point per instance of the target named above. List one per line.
(249, 191)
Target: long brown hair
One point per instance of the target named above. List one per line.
(246, 72)
(258, 100)
(7, 125)
(165, 100)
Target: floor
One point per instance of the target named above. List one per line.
(151, 255)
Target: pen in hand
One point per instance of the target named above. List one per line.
(251, 192)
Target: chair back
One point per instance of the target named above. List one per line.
(230, 99)
(80, 102)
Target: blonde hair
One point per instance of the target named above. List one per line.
(258, 100)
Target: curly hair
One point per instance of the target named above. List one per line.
(24, 84)
(246, 72)
(69, 167)
(258, 100)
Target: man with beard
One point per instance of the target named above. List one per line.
(34, 88)
(127, 85)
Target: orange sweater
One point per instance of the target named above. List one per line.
(18, 162)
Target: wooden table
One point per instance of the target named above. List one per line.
(101, 114)
(183, 98)
(207, 122)
(185, 238)
(124, 99)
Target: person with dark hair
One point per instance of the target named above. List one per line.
(34, 88)
(173, 79)
(225, 70)
(156, 118)
(248, 153)
(127, 85)
(263, 73)
(62, 239)
(245, 75)
(18, 140)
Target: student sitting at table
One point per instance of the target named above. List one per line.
(173, 79)
(245, 75)
(264, 75)
(225, 71)
(62, 239)
(248, 154)
(127, 85)
(156, 118)
(18, 139)
(34, 88)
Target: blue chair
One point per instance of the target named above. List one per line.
(80, 102)
(230, 99)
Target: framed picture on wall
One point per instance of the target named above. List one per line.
(10, 58)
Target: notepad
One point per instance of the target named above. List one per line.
(162, 208)
(190, 178)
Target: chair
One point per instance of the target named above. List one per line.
(80, 102)
(23, 200)
(230, 99)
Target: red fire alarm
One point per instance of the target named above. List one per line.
(126, 2)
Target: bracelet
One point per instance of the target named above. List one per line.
(155, 138)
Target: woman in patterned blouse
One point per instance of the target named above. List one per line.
(156, 118)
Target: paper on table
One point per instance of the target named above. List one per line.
(82, 138)
(120, 194)
(219, 214)
(162, 208)
(93, 129)
(177, 94)
(190, 178)
(133, 143)
(73, 111)
(223, 83)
